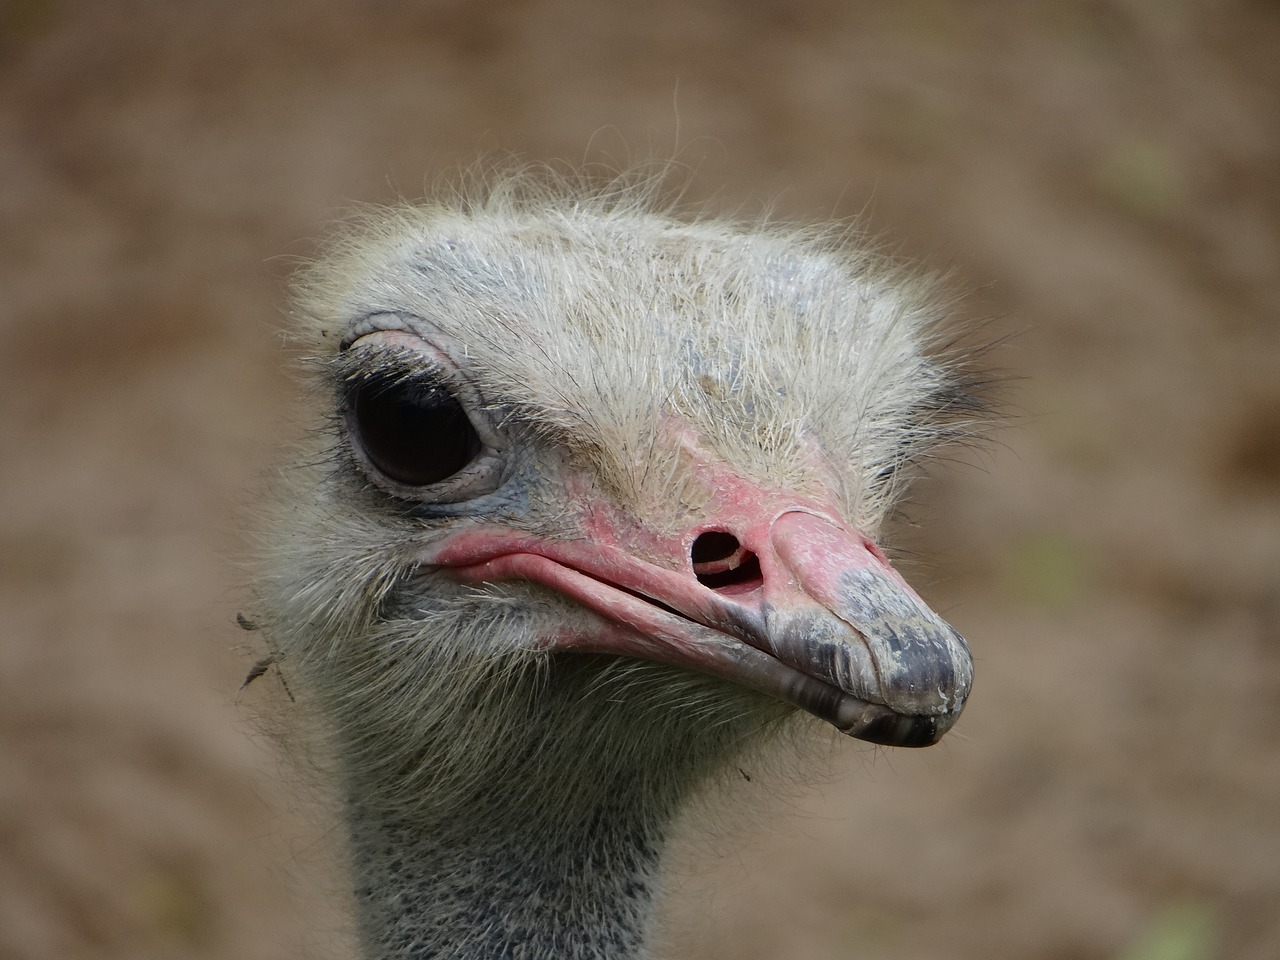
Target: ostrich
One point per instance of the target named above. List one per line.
(592, 512)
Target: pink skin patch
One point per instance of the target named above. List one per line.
(795, 627)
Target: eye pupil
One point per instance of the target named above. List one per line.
(416, 435)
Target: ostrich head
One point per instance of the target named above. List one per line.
(592, 506)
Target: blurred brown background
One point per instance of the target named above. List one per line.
(1102, 178)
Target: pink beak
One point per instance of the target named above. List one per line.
(787, 602)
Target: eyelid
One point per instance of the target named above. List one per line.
(395, 348)
(391, 367)
(381, 322)
(415, 357)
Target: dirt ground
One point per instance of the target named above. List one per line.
(1102, 181)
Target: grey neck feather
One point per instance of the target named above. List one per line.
(515, 806)
(529, 822)
(498, 885)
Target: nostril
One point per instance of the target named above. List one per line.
(714, 548)
(720, 561)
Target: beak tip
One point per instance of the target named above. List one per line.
(877, 724)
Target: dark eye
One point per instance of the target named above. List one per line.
(416, 434)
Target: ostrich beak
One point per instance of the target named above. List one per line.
(816, 617)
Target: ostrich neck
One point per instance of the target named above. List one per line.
(527, 818)
(494, 882)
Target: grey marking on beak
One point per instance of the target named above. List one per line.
(924, 665)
